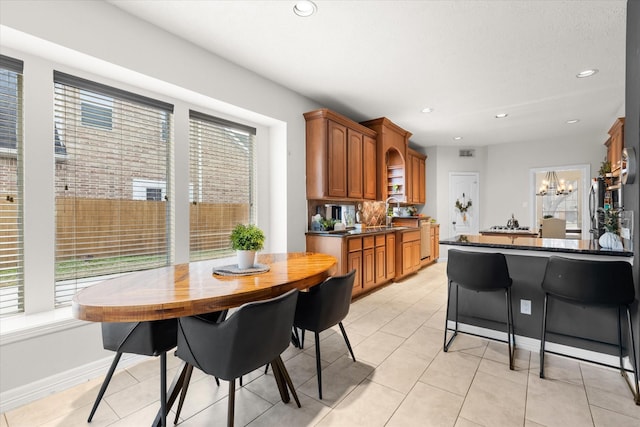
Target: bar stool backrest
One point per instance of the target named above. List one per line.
(604, 283)
(478, 271)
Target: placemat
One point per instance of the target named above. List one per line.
(233, 270)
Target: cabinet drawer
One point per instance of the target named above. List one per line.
(367, 242)
(410, 236)
(354, 244)
(381, 240)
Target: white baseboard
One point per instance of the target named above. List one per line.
(533, 345)
(28, 393)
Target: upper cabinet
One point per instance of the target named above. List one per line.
(392, 143)
(416, 177)
(615, 144)
(341, 157)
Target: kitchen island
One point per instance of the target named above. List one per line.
(587, 334)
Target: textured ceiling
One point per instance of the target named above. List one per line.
(468, 60)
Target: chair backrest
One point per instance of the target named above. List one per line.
(606, 283)
(554, 228)
(326, 304)
(251, 337)
(478, 271)
(148, 338)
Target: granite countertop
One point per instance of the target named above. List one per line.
(355, 232)
(535, 244)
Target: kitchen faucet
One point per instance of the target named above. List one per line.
(386, 211)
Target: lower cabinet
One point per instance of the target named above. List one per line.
(435, 241)
(368, 263)
(391, 256)
(408, 251)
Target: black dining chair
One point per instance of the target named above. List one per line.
(322, 307)
(593, 283)
(256, 334)
(150, 338)
(479, 272)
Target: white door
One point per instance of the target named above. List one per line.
(464, 206)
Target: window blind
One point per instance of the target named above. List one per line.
(11, 238)
(222, 182)
(112, 209)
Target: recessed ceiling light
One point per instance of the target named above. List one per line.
(304, 8)
(572, 121)
(457, 138)
(427, 110)
(501, 115)
(586, 73)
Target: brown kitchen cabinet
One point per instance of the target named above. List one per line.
(391, 145)
(369, 255)
(416, 176)
(615, 144)
(435, 242)
(407, 252)
(340, 160)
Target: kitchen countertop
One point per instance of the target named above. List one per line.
(355, 232)
(589, 247)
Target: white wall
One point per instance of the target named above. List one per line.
(95, 38)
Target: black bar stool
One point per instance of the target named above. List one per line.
(480, 272)
(592, 283)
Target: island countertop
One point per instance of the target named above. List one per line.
(567, 246)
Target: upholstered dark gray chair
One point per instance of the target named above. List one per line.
(593, 283)
(480, 272)
(153, 338)
(322, 307)
(256, 334)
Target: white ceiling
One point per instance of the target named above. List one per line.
(468, 60)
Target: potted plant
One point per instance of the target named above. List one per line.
(611, 238)
(247, 240)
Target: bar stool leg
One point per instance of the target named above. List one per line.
(544, 330)
(446, 319)
(510, 328)
(636, 393)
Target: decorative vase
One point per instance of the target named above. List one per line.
(246, 259)
(610, 240)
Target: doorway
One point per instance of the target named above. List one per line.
(464, 203)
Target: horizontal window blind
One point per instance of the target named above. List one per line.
(112, 209)
(11, 238)
(222, 182)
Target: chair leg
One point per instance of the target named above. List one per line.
(287, 378)
(183, 393)
(318, 364)
(544, 331)
(636, 393)
(302, 340)
(163, 388)
(232, 403)
(510, 329)
(446, 319)
(346, 340)
(105, 383)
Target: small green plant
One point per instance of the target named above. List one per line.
(247, 238)
(612, 220)
(605, 168)
(328, 223)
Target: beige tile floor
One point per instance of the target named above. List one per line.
(401, 378)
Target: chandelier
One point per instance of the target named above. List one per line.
(551, 185)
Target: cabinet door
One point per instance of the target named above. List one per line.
(380, 264)
(337, 159)
(407, 260)
(415, 179)
(354, 261)
(368, 268)
(437, 243)
(422, 177)
(369, 166)
(416, 255)
(391, 256)
(354, 164)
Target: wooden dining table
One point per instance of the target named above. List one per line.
(192, 288)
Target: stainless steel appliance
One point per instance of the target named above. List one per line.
(425, 239)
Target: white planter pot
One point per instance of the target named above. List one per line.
(610, 240)
(246, 259)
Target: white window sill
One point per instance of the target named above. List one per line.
(26, 326)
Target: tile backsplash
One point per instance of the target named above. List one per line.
(373, 213)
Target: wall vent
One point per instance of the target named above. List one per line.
(467, 153)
